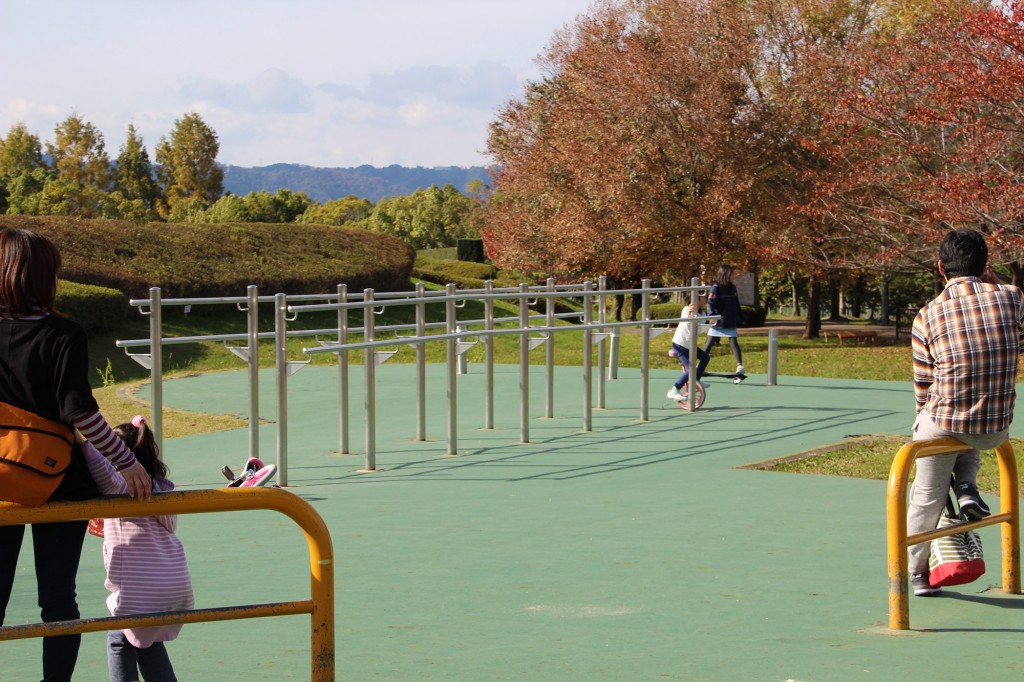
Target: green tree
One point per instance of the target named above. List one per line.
(22, 170)
(64, 197)
(348, 209)
(20, 152)
(187, 166)
(230, 208)
(117, 206)
(284, 206)
(78, 154)
(24, 192)
(426, 219)
(134, 175)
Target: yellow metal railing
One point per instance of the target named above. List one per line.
(320, 605)
(896, 521)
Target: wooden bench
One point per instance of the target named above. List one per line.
(865, 334)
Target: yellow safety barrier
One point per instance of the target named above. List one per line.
(896, 521)
(320, 606)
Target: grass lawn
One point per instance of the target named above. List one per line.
(871, 457)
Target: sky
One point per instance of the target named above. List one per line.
(326, 83)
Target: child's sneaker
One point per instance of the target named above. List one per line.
(674, 394)
(253, 464)
(971, 504)
(922, 585)
(740, 370)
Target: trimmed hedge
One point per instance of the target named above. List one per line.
(187, 260)
(97, 309)
(463, 274)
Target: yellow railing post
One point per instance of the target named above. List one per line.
(320, 606)
(896, 521)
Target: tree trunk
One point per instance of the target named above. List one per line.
(794, 295)
(636, 302)
(833, 302)
(812, 330)
(617, 307)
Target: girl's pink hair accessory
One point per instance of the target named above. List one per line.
(138, 420)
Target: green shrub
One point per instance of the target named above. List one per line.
(187, 260)
(464, 274)
(752, 316)
(666, 311)
(97, 309)
(439, 253)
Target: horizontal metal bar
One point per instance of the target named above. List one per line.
(335, 348)
(957, 528)
(209, 615)
(299, 333)
(403, 295)
(503, 294)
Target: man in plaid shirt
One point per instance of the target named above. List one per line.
(966, 345)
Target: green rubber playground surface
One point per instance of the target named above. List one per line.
(635, 551)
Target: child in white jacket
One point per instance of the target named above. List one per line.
(681, 342)
(145, 562)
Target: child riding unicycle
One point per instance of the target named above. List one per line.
(681, 342)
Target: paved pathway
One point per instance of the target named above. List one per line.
(636, 551)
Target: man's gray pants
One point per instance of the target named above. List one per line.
(930, 490)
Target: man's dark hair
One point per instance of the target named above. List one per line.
(963, 253)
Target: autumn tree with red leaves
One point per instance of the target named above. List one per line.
(668, 135)
(673, 134)
(618, 162)
(929, 136)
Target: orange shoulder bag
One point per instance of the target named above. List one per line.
(34, 454)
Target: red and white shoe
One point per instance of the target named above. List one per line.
(254, 477)
(260, 477)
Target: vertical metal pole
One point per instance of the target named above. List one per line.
(451, 361)
(421, 363)
(281, 373)
(370, 392)
(254, 369)
(343, 406)
(613, 353)
(488, 356)
(156, 369)
(692, 351)
(602, 346)
(773, 355)
(645, 349)
(1009, 503)
(524, 364)
(549, 353)
(461, 357)
(896, 536)
(588, 354)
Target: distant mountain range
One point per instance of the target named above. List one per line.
(365, 182)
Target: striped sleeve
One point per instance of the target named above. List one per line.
(107, 479)
(94, 428)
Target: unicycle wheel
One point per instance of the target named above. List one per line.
(698, 398)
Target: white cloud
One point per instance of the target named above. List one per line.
(271, 91)
(321, 82)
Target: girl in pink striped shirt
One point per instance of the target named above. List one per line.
(145, 562)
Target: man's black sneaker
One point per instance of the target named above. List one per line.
(922, 586)
(971, 505)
